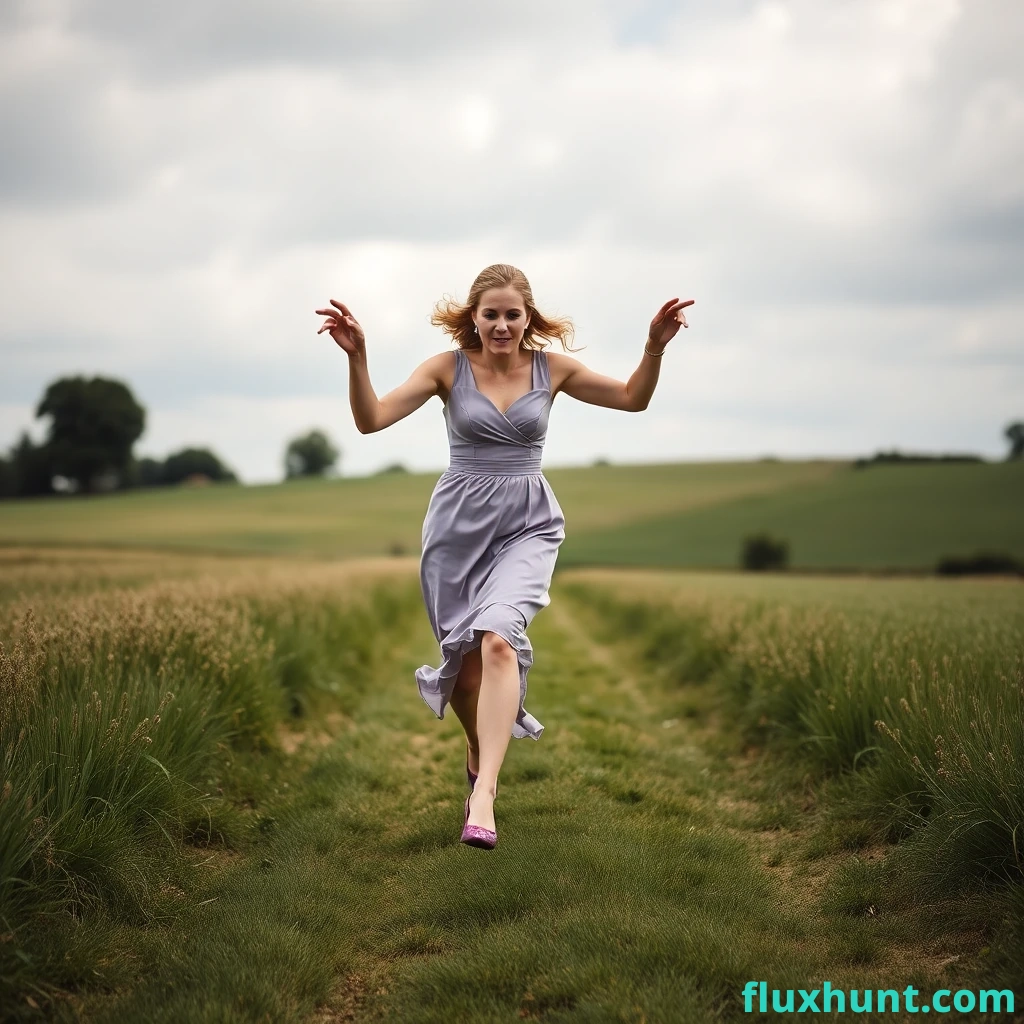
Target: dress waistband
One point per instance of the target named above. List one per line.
(495, 460)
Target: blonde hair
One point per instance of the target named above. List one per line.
(456, 318)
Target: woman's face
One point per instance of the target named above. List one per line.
(501, 319)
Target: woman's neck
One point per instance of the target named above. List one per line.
(502, 363)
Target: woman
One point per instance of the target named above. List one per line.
(493, 526)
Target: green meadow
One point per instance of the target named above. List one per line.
(222, 799)
(901, 517)
(883, 517)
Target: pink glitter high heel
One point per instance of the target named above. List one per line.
(477, 835)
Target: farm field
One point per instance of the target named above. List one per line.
(711, 801)
(364, 516)
(884, 517)
(688, 514)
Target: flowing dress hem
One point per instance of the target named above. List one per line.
(436, 684)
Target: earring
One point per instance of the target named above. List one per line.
(475, 331)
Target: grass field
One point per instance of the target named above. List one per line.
(695, 514)
(885, 517)
(711, 801)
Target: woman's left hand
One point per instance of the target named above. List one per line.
(666, 322)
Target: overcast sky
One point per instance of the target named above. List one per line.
(838, 184)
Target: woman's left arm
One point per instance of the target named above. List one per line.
(634, 395)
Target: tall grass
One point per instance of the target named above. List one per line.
(119, 711)
(924, 707)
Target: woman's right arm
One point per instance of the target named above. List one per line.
(370, 413)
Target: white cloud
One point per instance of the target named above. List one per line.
(837, 185)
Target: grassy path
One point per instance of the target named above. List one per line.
(644, 872)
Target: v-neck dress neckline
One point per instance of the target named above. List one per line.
(533, 383)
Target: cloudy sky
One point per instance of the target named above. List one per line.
(838, 184)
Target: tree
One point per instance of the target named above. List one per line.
(8, 481)
(31, 468)
(93, 425)
(144, 472)
(310, 455)
(195, 462)
(1014, 433)
(149, 472)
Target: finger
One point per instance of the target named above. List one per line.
(689, 302)
(660, 315)
(665, 307)
(342, 307)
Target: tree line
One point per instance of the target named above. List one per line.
(95, 422)
(1014, 434)
(88, 448)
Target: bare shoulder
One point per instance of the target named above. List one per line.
(441, 369)
(560, 367)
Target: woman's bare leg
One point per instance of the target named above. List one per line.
(497, 707)
(464, 704)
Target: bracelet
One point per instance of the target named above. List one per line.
(653, 355)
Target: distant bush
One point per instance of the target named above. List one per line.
(147, 473)
(981, 564)
(313, 454)
(885, 458)
(601, 461)
(394, 467)
(185, 466)
(190, 461)
(762, 551)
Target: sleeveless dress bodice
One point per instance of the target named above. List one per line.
(481, 438)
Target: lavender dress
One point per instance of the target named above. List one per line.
(491, 533)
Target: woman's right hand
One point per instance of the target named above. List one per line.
(344, 328)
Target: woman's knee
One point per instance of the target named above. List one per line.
(495, 648)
